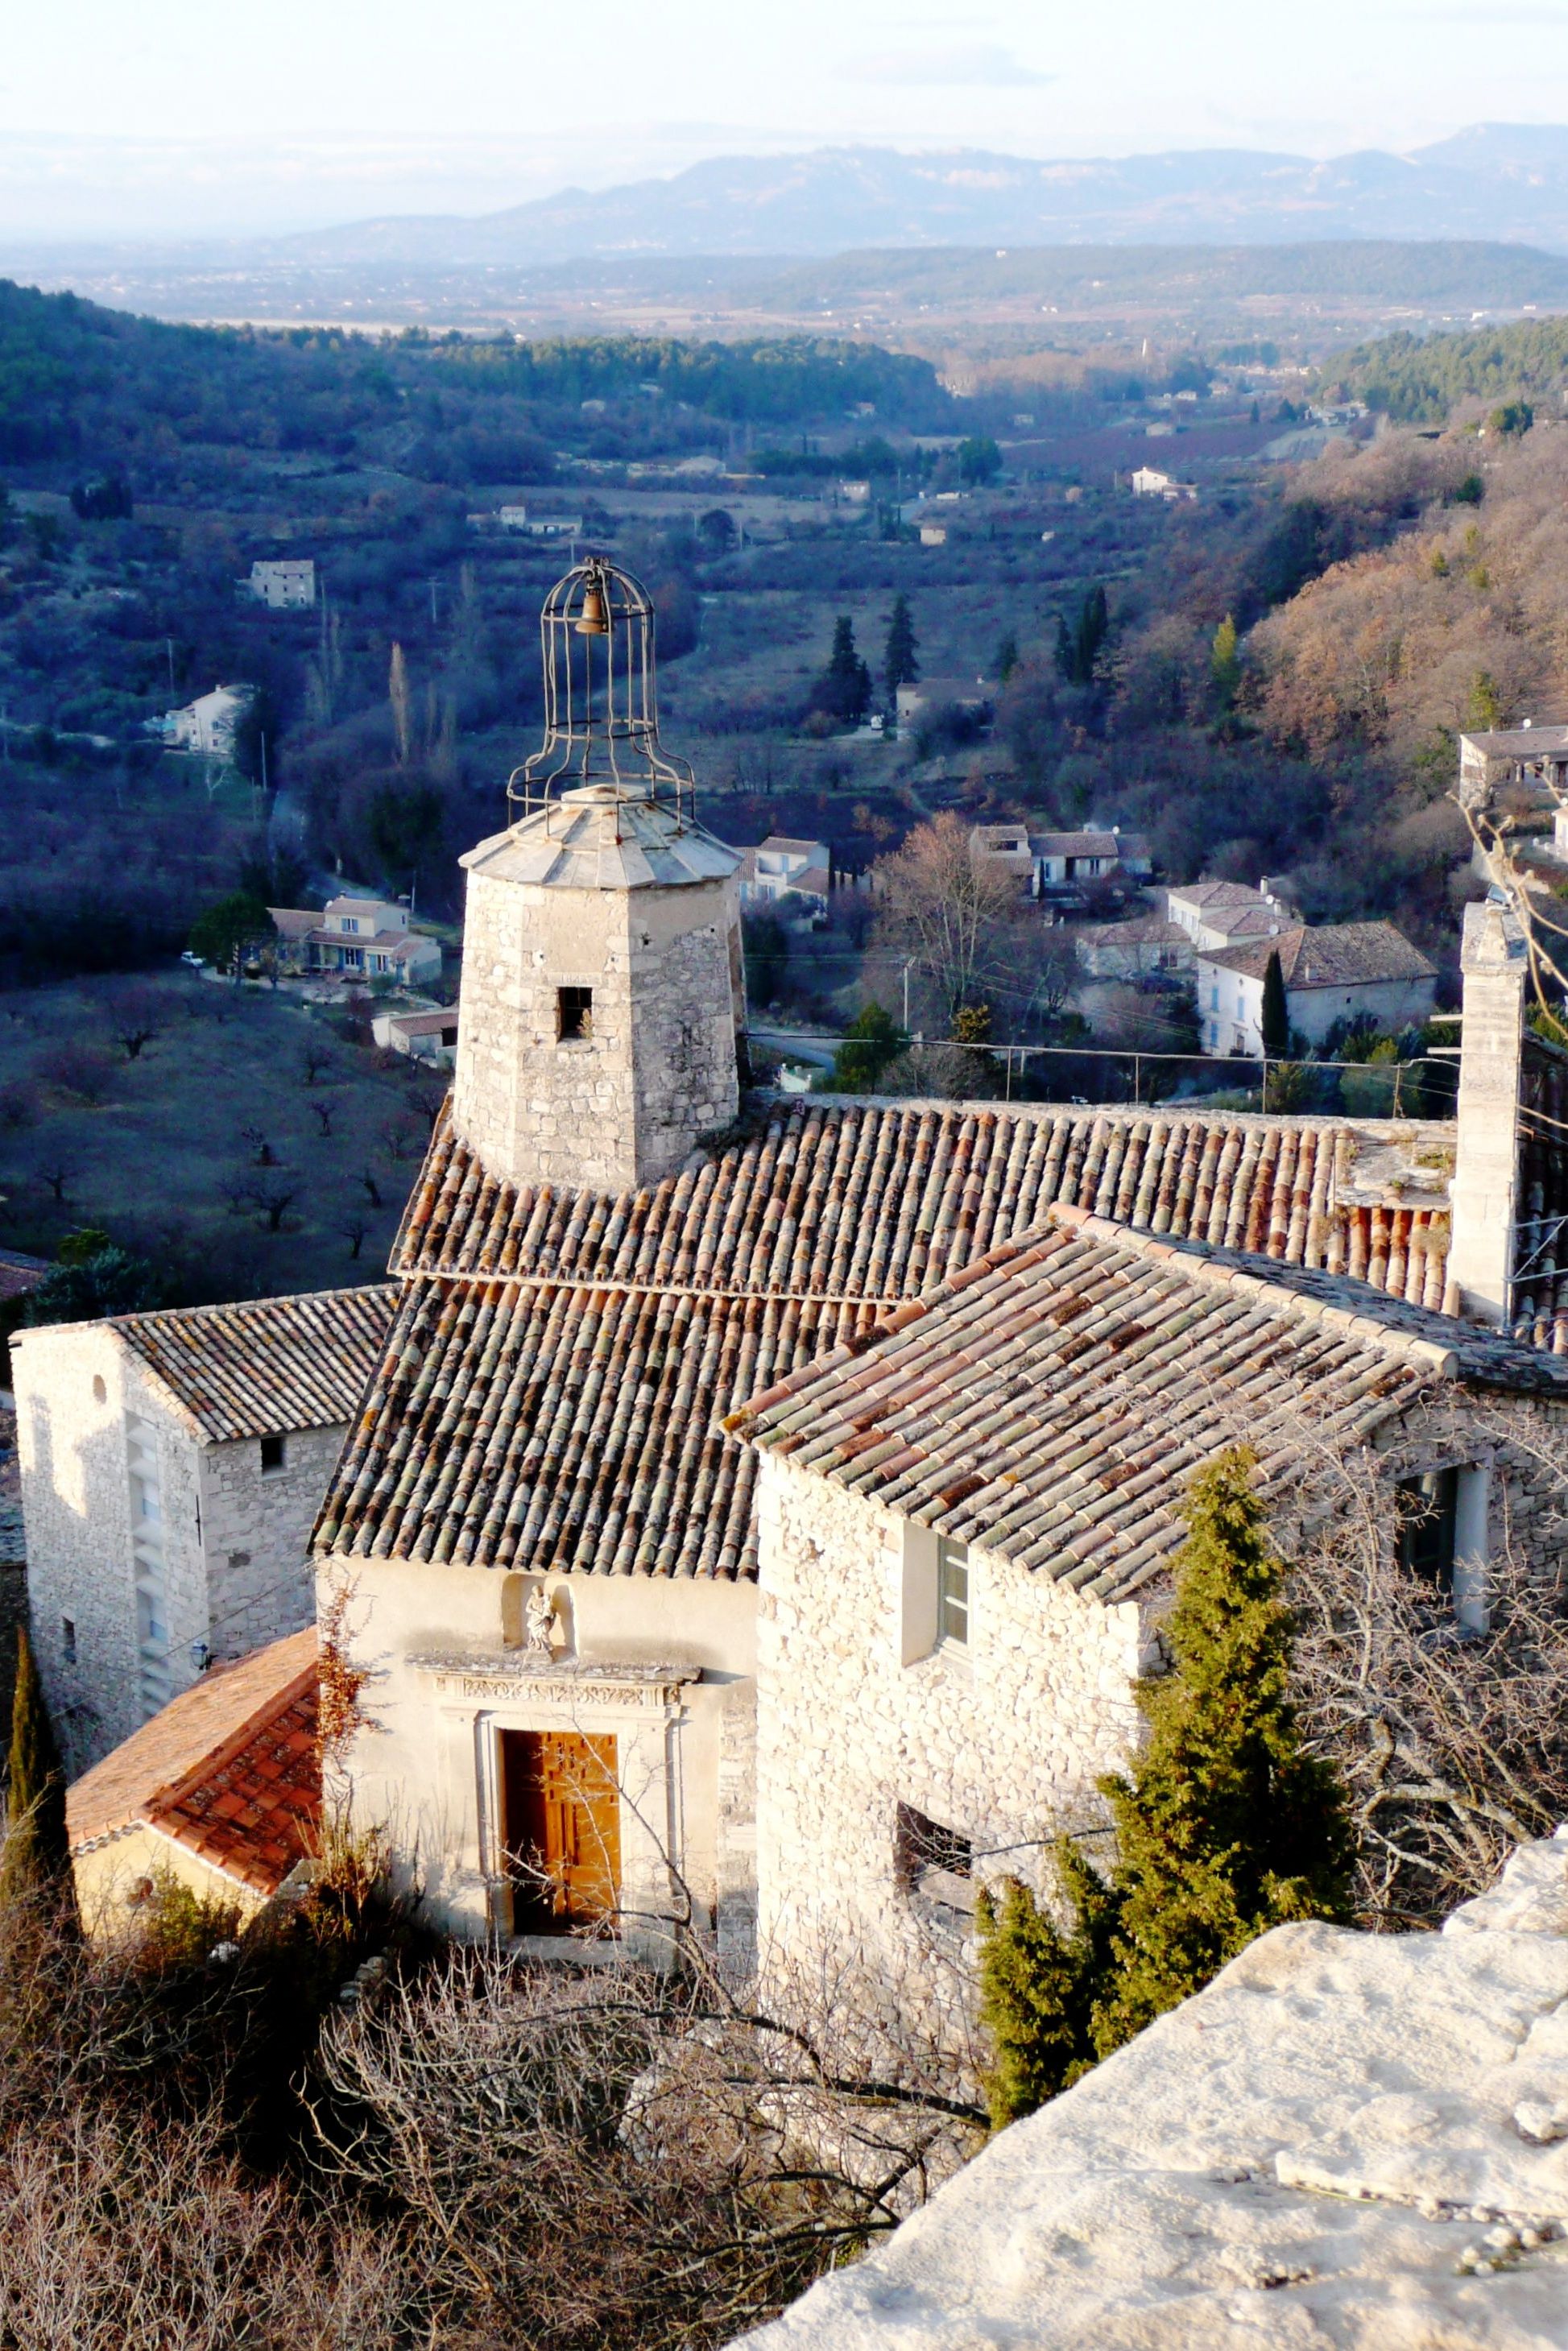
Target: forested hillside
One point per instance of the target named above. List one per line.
(77, 379)
(1422, 380)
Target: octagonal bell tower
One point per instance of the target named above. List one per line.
(602, 974)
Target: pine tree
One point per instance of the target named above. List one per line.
(901, 663)
(1275, 1021)
(35, 1849)
(1038, 1986)
(1227, 1826)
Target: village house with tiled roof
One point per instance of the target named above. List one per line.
(720, 1452)
(172, 1464)
(1333, 973)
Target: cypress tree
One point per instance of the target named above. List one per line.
(901, 662)
(1038, 1986)
(1275, 1021)
(845, 689)
(36, 1845)
(1006, 658)
(1227, 1826)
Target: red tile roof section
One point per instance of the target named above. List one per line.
(229, 1769)
(548, 1393)
(1051, 1401)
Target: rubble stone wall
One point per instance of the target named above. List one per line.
(1001, 1740)
(626, 1104)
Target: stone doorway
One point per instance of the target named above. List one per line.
(560, 1805)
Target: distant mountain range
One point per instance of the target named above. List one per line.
(1494, 182)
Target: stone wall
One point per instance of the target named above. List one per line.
(76, 1385)
(234, 1539)
(1001, 1740)
(256, 1528)
(625, 1106)
(1348, 2140)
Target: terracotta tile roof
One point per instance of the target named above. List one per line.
(864, 1199)
(267, 1365)
(568, 1428)
(1330, 955)
(229, 1769)
(549, 1392)
(1051, 1402)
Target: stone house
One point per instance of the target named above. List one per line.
(430, 1036)
(286, 584)
(1047, 861)
(966, 1528)
(172, 1465)
(573, 1547)
(1366, 972)
(1221, 913)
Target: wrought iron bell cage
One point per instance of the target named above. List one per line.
(601, 711)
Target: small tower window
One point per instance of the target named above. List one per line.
(68, 1638)
(272, 1455)
(574, 1015)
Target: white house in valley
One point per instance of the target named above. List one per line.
(286, 584)
(1360, 972)
(359, 939)
(772, 1500)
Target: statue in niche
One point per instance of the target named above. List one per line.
(538, 1621)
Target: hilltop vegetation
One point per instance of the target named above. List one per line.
(76, 378)
(1423, 379)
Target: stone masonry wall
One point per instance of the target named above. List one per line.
(256, 1533)
(75, 1385)
(627, 1104)
(1002, 1743)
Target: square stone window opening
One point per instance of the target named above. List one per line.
(274, 1455)
(932, 1859)
(574, 1015)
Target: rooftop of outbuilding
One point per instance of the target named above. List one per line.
(229, 1769)
(267, 1364)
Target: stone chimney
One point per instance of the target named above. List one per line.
(1491, 1070)
(601, 984)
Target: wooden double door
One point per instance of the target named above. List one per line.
(561, 1803)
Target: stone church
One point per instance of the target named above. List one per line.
(757, 1510)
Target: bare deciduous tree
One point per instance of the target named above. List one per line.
(948, 909)
(316, 1058)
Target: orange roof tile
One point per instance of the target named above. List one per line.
(229, 1769)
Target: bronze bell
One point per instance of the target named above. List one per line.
(594, 621)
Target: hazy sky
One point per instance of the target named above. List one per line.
(183, 115)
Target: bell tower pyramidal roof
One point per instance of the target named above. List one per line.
(602, 972)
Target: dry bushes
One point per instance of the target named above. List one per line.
(1452, 1742)
(1457, 619)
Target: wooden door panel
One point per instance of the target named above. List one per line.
(561, 1828)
